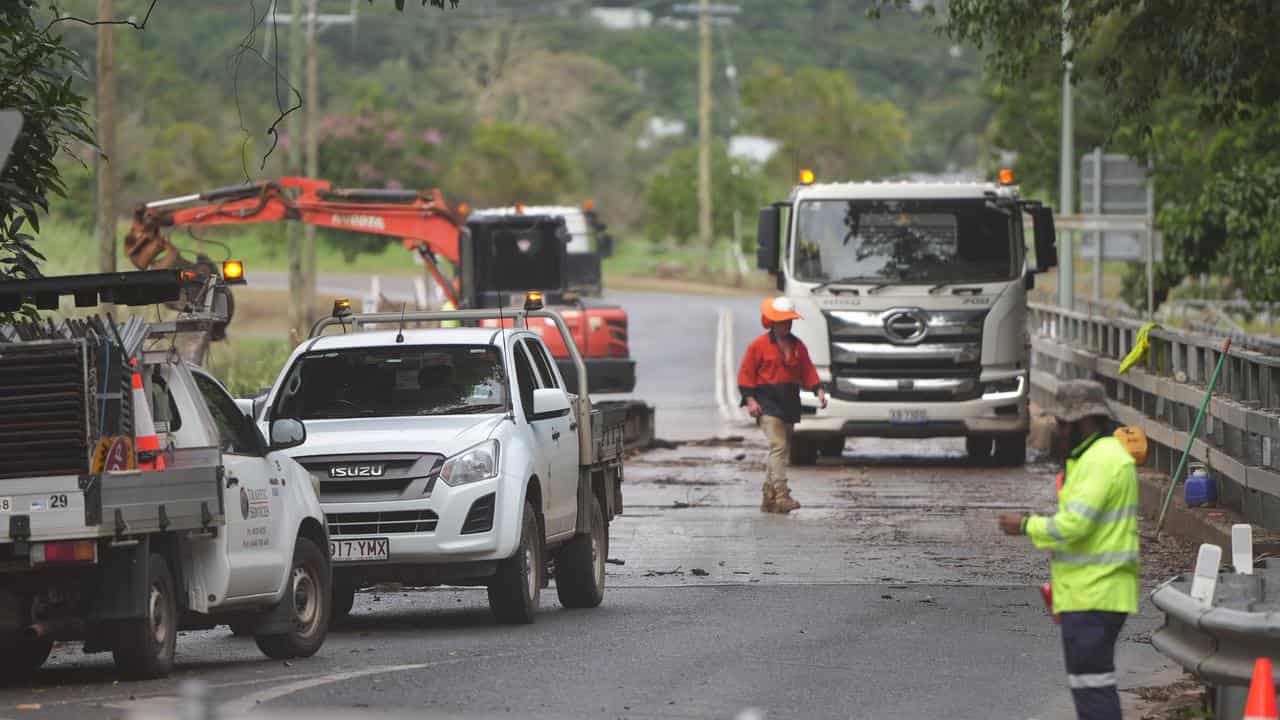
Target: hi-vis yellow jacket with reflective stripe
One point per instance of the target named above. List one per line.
(1094, 535)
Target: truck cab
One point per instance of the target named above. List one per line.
(913, 298)
(454, 456)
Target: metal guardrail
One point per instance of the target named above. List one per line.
(1219, 643)
(1240, 438)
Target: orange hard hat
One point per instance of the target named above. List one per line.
(777, 309)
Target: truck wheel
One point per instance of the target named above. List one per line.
(514, 589)
(28, 653)
(145, 647)
(344, 598)
(979, 448)
(311, 596)
(804, 451)
(241, 628)
(833, 446)
(580, 564)
(1011, 450)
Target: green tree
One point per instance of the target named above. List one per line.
(672, 195)
(35, 78)
(507, 164)
(824, 123)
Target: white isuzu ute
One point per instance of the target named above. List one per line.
(454, 456)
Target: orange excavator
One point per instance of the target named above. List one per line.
(492, 261)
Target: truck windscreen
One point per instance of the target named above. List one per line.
(394, 382)
(913, 241)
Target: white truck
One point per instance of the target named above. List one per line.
(121, 525)
(454, 456)
(913, 297)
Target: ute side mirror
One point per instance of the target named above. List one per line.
(549, 403)
(1046, 238)
(768, 239)
(606, 245)
(245, 406)
(287, 433)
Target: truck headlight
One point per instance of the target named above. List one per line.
(474, 464)
(1007, 389)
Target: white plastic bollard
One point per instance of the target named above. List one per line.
(1242, 548)
(1206, 578)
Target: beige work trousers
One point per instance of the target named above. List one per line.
(778, 432)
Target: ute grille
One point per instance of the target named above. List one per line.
(382, 523)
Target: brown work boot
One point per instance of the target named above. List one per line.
(767, 497)
(783, 503)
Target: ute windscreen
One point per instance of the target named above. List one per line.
(394, 382)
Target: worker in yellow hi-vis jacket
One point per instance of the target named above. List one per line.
(1094, 542)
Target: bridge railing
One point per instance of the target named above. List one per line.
(1239, 440)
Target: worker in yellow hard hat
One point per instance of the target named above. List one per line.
(448, 306)
(773, 371)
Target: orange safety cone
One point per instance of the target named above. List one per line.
(1262, 693)
(146, 443)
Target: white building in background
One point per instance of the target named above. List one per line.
(622, 18)
(753, 148)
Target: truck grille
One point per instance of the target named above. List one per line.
(906, 355)
(382, 523)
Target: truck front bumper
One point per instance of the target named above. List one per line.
(604, 375)
(1001, 415)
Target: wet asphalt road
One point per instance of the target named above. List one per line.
(888, 595)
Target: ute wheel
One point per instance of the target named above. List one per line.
(580, 564)
(833, 446)
(145, 646)
(241, 628)
(1011, 450)
(310, 594)
(344, 598)
(979, 448)
(804, 451)
(27, 653)
(514, 589)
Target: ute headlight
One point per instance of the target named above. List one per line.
(1006, 389)
(474, 464)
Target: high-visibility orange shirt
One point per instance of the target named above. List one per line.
(775, 378)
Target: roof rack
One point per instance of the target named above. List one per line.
(130, 288)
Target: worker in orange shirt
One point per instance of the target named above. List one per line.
(773, 371)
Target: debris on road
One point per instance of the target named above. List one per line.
(699, 572)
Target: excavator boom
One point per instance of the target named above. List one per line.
(421, 220)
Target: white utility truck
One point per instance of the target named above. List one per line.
(914, 299)
(135, 499)
(454, 455)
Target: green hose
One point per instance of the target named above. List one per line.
(1191, 438)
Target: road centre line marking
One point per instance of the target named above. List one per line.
(245, 704)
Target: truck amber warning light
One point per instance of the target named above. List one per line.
(233, 272)
(1006, 176)
(807, 177)
(533, 301)
(341, 307)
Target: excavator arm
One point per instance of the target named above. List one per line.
(422, 221)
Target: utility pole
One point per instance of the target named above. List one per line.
(299, 303)
(706, 234)
(106, 107)
(1066, 178)
(311, 119)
